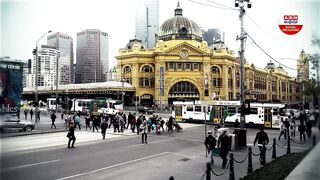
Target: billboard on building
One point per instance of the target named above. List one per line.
(10, 86)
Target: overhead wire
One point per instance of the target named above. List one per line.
(269, 54)
(218, 7)
(220, 4)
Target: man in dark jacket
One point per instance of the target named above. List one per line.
(71, 135)
(210, 143)
(104, 126)
(53, 119)
(263, 139)
(224, 145)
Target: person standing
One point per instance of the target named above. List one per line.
(210, 143)
(224, 145)
(130, 116)
(133, 122)
(53, 119)
(282, 130)
(122, 123)
(25, 113)
(263, 140)
(77, 121)
(144, 132)
(95, 123)
(31, 113)
(139, 123)
(71, 135)
(308, 128)
(38, 115)
(116, 123)
(104, 126)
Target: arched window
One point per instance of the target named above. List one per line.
(215, 77)
(183, 87)
(183, 31)
(215, 70)
(127, 69)
(146, 68)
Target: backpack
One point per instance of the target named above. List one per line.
(77, 119)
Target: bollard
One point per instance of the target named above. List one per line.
(208, 176)
(249, 160)
(288, 145)
(274, 153)
(231, 174)
(314, 140)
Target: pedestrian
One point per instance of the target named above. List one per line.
(31, 113)
(122, 123)
(144, 132)
(116, 123)
(87, 121)
(25, 113)
(38, 115)
(293, 128)
(139, 123)
(130, 116)
(308, 128)
(124, 117)
(77, 121)
(71, 135)
(95, 123)
(111, 118)
(53, 119)
(263, 140)
(302, 130)
(236, 124)
(104, 126)
(224, 145)
(170, 124)
(133, 122)
(161, 124)
(62, 115)
(282, 130)
(210, 143)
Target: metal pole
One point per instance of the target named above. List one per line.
(57, 62)
(242, 70)
(205, 126)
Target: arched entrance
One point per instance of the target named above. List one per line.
(146, 100)
(183, 91)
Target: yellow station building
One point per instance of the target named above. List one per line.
(181, 66)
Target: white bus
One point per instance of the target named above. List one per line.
(51, 104)
(81, 105)
(221, 112)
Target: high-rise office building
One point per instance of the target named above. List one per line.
(63, 43)
(48, 58)
(92, 56)
(147, 21)
(213, 36)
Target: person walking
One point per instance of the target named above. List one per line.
(116, 123)
(139, 123)
(77, 121)
(71, 135)
(308, 128)
(263, 140)
(31, 113)
(130, 116)
(210, 143)
(104, 126)
(161, 124)
(87, 121)
(224, 145)
(38, 115)
(133, 122)
(53, 119)
(122, 123)
(95, 124)
(283, 130)
(25, 113)
(293, 128)
(302, 130)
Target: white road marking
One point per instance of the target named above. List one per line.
(28, 165)
(116, 165)
(151, 142)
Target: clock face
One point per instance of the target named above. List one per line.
(184, 53)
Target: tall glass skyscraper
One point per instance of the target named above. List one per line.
(147, 21)
(64, 44)
(92, 56)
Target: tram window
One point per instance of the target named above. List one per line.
(275, 112)
(232, 110)
(197, 108)
(189, 108)
(253, 110)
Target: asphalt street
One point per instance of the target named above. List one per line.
(121, 156)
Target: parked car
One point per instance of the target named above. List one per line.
(144, 109)
(11, 122)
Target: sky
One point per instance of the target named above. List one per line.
(25, 21)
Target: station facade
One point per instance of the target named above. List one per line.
(183, 67)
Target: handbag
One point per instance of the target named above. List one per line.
(68, 135)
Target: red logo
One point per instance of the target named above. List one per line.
(290, 23)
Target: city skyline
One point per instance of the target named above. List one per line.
(21, 17)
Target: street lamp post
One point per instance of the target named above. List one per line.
(36, 78)
(57, 65)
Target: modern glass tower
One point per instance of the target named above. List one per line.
(92, 56)
(63, 43)
(147, 21)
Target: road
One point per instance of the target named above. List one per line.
(121, 156)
